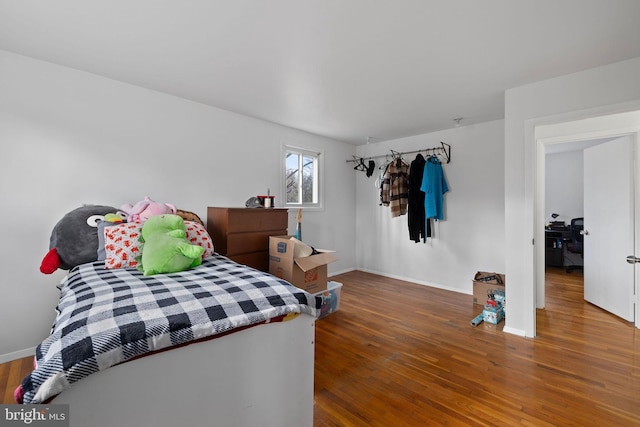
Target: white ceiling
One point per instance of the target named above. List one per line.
(345, 69)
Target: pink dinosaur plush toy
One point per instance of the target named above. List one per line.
(146, 208)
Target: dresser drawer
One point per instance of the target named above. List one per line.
(257, 260)
(257, 220)
(240, 220)
(239, 243)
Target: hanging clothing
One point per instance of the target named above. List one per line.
(419, 224)
(434, 186)
(397, 173)
(385, 197)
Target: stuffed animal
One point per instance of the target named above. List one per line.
(74, 239)
(189, 216)
(165, 247)
(147, 208)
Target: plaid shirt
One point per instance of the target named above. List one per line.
(398, 176)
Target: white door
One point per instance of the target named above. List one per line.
(609, 226)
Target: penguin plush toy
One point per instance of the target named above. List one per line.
(74, 239)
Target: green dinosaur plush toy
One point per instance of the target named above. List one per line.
(165, 248)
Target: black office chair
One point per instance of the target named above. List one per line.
(576, 245)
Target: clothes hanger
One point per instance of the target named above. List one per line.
(386, 163)
(360, 166)
(434, 158)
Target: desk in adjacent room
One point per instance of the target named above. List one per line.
(555, 244)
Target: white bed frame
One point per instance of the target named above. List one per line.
(261, 376)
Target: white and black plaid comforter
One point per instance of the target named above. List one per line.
(106, 317)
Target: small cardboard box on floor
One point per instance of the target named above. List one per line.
(307, 273)
(483, 282)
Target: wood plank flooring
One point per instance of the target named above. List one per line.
(10, 376)
(401, 354)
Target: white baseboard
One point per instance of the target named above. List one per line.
(418, 282)
(513, 331)
(346, 270)
(4, 358)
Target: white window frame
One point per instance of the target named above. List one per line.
(319, 177)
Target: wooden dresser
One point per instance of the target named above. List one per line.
(242, 234)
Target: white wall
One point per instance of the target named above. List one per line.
(598, 91)
(471, 237)
(69, 137)
(564, 192)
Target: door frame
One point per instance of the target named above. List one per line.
(605, 126)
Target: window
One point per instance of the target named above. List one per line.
(301, 177)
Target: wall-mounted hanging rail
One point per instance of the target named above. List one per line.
(444, 150)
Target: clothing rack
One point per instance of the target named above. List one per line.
(444, 149)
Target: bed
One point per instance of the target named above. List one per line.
(218, 344)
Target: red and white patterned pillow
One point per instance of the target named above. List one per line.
(198, 235)
(122, 245)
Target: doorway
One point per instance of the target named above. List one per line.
(560, 136)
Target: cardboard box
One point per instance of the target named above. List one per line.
(330, 299)
(307, 273)
(483, 282)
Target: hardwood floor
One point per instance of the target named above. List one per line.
(11, 374)
(401, 354)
